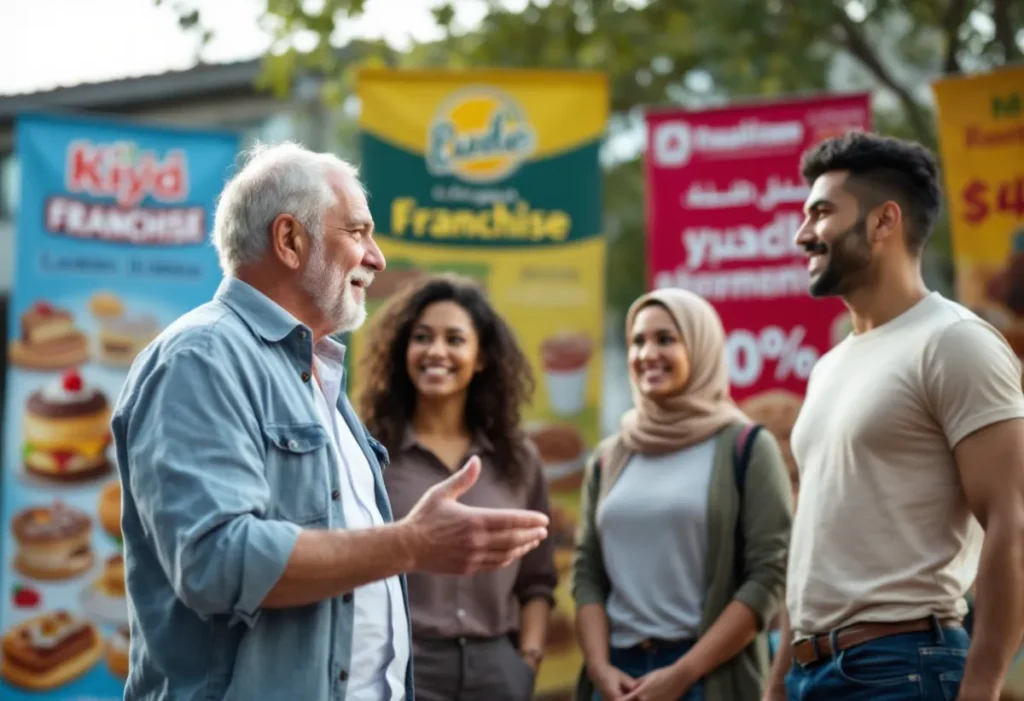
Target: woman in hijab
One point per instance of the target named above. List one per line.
(685, 515)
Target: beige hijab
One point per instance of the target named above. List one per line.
(704, 407)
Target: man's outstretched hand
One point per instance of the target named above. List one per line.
(446, 537)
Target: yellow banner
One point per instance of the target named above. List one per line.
(495, 175)
(981, 137)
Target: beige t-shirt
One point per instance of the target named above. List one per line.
(883, 531)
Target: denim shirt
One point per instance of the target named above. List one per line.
(224, 462)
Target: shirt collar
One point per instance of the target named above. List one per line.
(329, 356)
(261, 314)
(479, 444)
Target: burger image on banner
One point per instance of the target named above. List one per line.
(67, 430)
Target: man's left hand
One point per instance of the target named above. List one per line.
(665, 684)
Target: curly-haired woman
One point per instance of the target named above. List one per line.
(445, 380)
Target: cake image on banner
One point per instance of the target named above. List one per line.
(49, 651)
(112, 245)
(54, 542)
(49, 339)
(67, 430)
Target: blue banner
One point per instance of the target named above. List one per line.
(112, 245)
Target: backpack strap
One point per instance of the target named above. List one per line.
(742, 450)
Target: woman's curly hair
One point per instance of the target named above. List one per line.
(496, 394)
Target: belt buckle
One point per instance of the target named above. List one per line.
(810, 640)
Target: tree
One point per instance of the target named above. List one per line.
(690, 52)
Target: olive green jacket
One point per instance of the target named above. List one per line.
(766, 520)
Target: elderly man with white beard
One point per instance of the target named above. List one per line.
(261, 556)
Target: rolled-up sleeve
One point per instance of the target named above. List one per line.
(537, 574)
(195, 471)
(766, 520)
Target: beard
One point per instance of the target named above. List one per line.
(849, 262)
(332, 292)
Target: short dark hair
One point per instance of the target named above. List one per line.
(883, 168)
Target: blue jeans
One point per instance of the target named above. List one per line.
(641, 659)
(924, 666)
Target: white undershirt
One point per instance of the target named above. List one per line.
(380, 639)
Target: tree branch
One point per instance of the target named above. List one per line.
(1005, 31)
(955, 15)
(854, 41)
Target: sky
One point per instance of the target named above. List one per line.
(52, 43)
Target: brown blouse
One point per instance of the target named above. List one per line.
(485, 604)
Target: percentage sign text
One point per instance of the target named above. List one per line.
(747, 353)
(792, 357)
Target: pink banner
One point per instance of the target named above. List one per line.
(724, 201)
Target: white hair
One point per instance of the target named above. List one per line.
(276, 179)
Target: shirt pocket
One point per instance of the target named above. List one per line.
(298, 471)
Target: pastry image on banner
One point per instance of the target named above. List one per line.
(1002, 295)
(121, 335)
(117, 652)
(53, 542)
(49, 340)
(563, 535)
(563, 453)
(566, 360)
(108, 509)
(67, 431)
(121, 339)
(105, 600)
(49, 651)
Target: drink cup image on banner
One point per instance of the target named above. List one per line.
(566, 362)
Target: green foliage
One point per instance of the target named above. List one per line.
(689, 52)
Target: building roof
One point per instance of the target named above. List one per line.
(125, 94)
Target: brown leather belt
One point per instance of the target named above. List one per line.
(817, 648)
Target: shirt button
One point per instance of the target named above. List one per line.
(346, 597)
(293, 444)
(343, 676)
(305, 377)
(335, 495)
(303, 334)
(460, 613)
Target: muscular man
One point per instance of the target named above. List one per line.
(912, 434)
(261, 557)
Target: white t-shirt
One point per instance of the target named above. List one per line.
(882, 531)
(380, 632)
